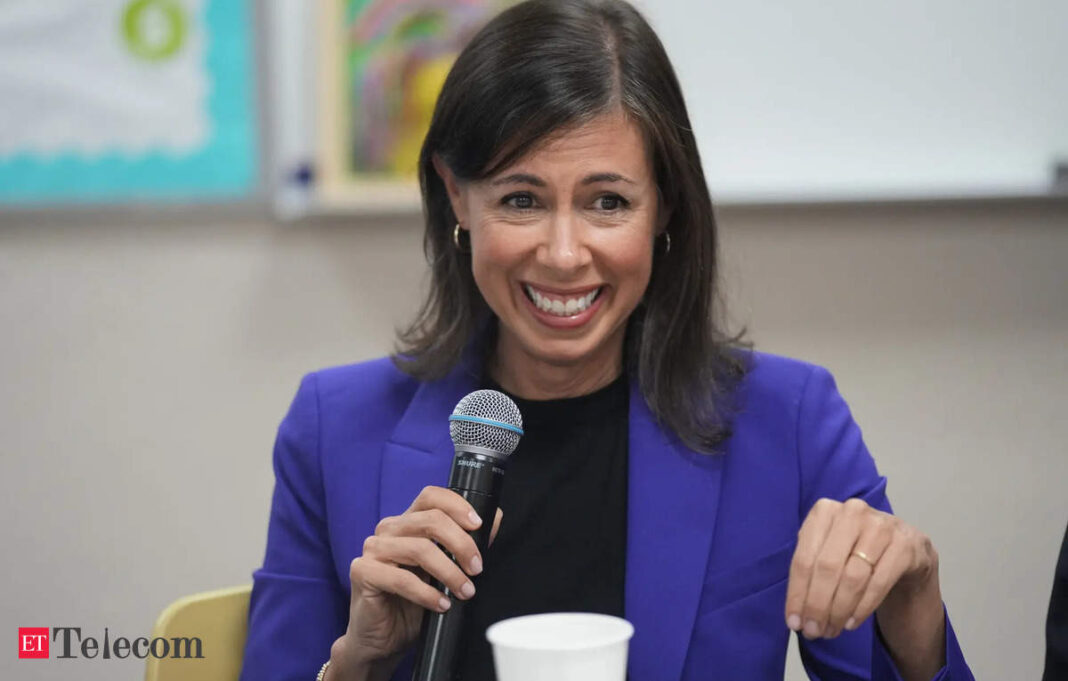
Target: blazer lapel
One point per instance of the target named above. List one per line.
(420, 452)
(673, 498)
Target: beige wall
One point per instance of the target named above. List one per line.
(146, 358)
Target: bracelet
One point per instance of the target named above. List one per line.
(322, 671)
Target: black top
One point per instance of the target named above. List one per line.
(562, 541)
(1057, 621)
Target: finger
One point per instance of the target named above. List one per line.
(810, 540)
(496, 525)
(829, 565)
(851, 588)
(423, 553)
(891, 566)
(454, 505)
(436, 524)
(372, 577)
(851, 584)
(872, 542)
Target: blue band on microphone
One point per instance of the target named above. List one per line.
(487, 422)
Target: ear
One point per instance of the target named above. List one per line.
(662, 219)
(452, 187)
(663, 213)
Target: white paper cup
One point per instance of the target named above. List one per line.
(561, 646)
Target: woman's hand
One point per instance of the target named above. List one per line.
(853, 560)
(389, 581)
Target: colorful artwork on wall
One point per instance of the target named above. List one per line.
(385, 63)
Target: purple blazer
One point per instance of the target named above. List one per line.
(709, 538)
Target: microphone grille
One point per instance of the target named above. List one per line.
(488, 419)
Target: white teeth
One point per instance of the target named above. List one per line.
(561, 308)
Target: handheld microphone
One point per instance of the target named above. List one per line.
(485, 428)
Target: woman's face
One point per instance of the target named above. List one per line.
(562, 243)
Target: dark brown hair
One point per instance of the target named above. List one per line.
(541, 67)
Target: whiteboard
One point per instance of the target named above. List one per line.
(817, 100)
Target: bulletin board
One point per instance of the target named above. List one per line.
(126, 100)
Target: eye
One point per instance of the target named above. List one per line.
(519, 200)
(611, 202)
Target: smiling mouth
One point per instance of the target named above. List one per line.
(560, 306)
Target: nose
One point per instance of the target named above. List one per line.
(563, 248)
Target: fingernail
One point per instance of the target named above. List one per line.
(812, 629)
(794, 622)
(467, 590)
(476, 565)
(851, 624)
(474, 518)
(444, 604)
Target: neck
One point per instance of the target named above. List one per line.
(534, 378)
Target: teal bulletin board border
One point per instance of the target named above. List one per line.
(224, 168)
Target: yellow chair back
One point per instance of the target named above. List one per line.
(219, 619)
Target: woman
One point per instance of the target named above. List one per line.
(716, 497)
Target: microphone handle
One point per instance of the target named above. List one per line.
(477, 478)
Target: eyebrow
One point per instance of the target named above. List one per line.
(606, 177)
(519, 178)
(526, 178)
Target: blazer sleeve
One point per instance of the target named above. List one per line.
(835, 464)
(298, 607)
(1057, 621)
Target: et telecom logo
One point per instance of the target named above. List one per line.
(34, 645)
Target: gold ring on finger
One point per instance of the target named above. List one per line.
(864, 557)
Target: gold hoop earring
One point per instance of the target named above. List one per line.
(456, 237)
